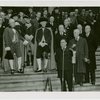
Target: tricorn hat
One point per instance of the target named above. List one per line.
(42, 19)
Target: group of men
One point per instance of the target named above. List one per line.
(67, 39)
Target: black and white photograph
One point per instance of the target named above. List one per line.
(49, 48)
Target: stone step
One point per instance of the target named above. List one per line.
(27, 78)
(97, 63)
(98, 58)
(98, 48)
(29, 85)
(97, 53)
(88, 89)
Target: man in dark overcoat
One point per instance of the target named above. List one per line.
(1, 38)
(92, 46)
(64, 66)
(80, 44)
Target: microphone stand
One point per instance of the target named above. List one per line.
(63, 82)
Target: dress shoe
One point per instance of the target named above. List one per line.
(45, 70)
(81, 84)
(93, 83)
(38, 70)
(12, 71)
(20, 71)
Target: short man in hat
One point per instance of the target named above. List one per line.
(43, 39)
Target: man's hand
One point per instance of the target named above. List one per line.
(42, 44)
(86, 60)
(27, 37)
(25, 42)
(30, 37)
(74, 45)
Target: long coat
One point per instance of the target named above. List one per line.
(67, 61)
(92, 46)
(81, 53)
(8, 37)
(47, 36)
(1, 39)
(51, 63)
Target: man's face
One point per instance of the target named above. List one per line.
(12, 23)
(66, 22)
(76, 33)
(56, 10)
(30, 10)
(38, 14)
(61, 28)
(79, 27)
(15, 18)
(87, 29)
(45, 12)
(27, 20)
(43, 23)
(21, 14)
(51, 19)
(63, 43)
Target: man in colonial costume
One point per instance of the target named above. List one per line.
(43, 46)
(12, 46)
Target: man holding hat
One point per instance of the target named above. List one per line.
(43, 39)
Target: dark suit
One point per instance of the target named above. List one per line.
(58, 38)
(67, 66)
(92, 46)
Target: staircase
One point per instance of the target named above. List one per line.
(31, 81)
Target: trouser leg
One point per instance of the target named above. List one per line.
(80, 78)
(70, 81)
(92, 73)
(87, 80)
(63, 84)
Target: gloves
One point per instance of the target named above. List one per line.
(27, 37)
(30, 37)
(42, 44)
(7, 49)
(25, 42)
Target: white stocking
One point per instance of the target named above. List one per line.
(11, 62)
(19, 62)
(39, 64)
